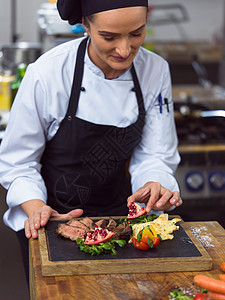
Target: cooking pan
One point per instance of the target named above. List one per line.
(22, 52)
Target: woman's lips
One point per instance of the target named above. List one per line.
(120, 59)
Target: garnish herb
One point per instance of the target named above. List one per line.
(141, 219)
(97, 249)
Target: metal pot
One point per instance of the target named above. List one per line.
(22, 52)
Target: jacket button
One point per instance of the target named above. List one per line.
(69, 118)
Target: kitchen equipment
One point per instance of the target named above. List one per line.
(22, 52)
(52, 29)
(49, 20)
(60, 256)
(164, 14)
(201, 173)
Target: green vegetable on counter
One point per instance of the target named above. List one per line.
(177, 294)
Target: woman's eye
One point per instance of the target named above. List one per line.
(108, 38)
(136, 34)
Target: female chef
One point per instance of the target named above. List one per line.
(84, 109)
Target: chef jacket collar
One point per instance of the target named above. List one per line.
(97, 71)
(74, 10)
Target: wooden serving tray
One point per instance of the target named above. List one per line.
(60, 256)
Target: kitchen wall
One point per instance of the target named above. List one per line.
(26, 15)
(206, 20)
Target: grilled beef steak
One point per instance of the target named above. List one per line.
(101, 223)
(88, 222)
(111, 225)
(70, 232)
(76, 223)
(122, 232)
(74, 228)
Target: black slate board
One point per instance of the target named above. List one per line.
(61, 249)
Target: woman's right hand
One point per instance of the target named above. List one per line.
(38, 215)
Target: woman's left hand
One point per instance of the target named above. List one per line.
(156, 197)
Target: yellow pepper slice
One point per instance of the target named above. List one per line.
(149, 231)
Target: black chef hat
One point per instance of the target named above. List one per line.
(74, 10)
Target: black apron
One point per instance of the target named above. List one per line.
(84, 164)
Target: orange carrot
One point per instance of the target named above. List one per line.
(211, 284)
(223, 266)
(222, 276)
(216, 296)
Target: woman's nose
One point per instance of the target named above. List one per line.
(123, 48)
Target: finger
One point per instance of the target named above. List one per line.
(37, 220)
(45, 215)
(72, 214)
(164, 199)
(176, 199)
(140, 195)
(151, 202)
(156, 191)
(33, 231)
(41, 216)
(27, 229)
(75, 213)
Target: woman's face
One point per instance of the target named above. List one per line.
(116, 35)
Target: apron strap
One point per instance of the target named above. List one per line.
(77, 79)
(137, 90)
(77, 82)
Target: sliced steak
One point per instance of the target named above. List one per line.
(76, 223)
(122, 232)
(88, 222)
(111, 225)
(101, 223)
(70, 232)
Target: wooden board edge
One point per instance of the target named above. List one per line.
(182, 264)
(44, 252)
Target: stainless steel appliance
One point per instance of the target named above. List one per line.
(201, 173)
(21, 52)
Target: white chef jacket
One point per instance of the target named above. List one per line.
(41, 104)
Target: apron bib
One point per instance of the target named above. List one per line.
(84, 164)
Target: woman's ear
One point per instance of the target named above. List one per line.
(86, 25)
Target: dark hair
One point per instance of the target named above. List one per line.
(88, 19)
